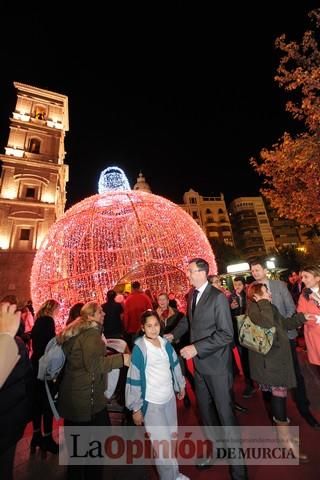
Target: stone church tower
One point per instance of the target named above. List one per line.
(32, 183)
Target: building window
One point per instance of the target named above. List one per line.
(195, 215)
(41, 116)
(212, 231)
(34, 145)
(25, 234)
(193, 200)
(30, 192)
(40, 112)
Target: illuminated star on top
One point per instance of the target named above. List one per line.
(113, 178)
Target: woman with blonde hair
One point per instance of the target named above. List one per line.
(81, 399)
(309, 303)
(42, 332)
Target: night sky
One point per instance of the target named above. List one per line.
(156, 87)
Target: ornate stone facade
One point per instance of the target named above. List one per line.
(32, 184)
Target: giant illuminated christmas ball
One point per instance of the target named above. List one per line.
(111, 239)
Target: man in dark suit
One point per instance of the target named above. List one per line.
(211, 336)
(295, 285)
(238, 306)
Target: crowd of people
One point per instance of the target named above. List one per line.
(163, 340)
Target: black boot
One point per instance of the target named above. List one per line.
(49, 445)
(313, 422)
(36, 441)
(266, 395)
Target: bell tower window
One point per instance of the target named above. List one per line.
(25, 234)
(34, 145)
(40, 113)
(30, 192)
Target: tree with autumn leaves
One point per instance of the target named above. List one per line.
(291, 168)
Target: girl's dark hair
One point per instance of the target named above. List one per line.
(74, 312)
(149, 313)
(239, 279)
(111, 295)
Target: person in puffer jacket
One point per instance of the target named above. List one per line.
(81, 400)
(153, 378)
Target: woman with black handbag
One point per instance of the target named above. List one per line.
(274, 371)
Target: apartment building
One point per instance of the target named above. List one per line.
(211, 214)
(251, 227)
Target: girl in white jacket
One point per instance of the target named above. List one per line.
(153, 378)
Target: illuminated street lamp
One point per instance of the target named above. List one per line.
(238, 267)
(270, 264)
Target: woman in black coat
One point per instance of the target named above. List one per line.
(43, 331)
(274, 371)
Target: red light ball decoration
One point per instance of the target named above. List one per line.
(112, 239)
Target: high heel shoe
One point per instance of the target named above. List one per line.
(36, 441)
(49, 445)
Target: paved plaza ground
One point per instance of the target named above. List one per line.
(34, 467)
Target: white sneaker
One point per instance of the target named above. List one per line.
(182, 477)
